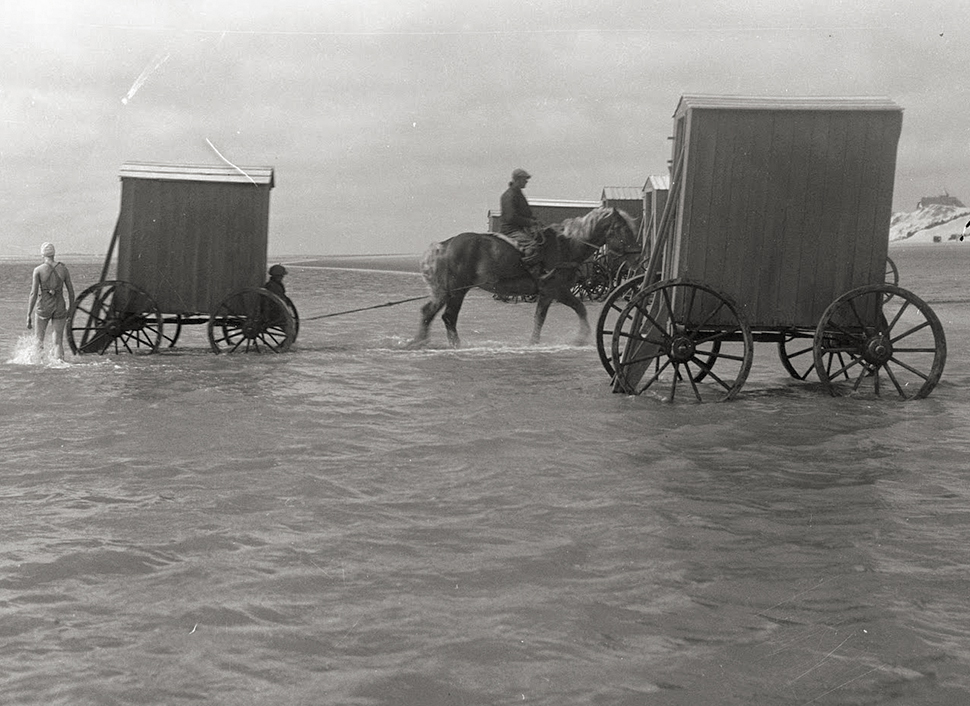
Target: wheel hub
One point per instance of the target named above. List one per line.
(113, 327)
(878, 350)
(251, 330)
(681, 349)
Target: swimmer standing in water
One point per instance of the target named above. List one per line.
(47, 294)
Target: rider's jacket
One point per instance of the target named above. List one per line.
(516, 212)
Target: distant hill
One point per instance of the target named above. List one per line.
(925, 225)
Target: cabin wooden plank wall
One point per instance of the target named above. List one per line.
(784, 205)
(190, 243)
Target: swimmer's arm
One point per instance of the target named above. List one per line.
(70, 288)
(32, 300)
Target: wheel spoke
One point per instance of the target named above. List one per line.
(895, 382)
(910, 332)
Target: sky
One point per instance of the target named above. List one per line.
(394, 124)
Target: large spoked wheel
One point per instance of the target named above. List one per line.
(296, 316)
(892, 272)
(892, 276)
(673, 333)
(593, 282)
(252, 320)
(797, 353)
(606, 323)
(894, 343)
(172, 331)
(114, 316)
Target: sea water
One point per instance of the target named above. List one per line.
(357, 523)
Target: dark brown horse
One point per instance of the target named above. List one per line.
(487, 261)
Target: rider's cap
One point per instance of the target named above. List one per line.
(516, 173)
(277, 270)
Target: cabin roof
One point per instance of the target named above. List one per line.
(564, 203)
(692, 101)
(221, 173)
(622, 193)
(657, 182)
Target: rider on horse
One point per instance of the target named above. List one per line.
(520, 226)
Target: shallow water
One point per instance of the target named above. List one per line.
(356, 523)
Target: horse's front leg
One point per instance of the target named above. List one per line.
(542, 308)
(574, 303)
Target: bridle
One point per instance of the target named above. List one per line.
(616, 220)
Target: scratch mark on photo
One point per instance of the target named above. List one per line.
(153, 66)
(219, 154)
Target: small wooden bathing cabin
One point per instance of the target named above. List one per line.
(775, 229)
(654, 196)
(191, 241)
(782, 203)
(191, 235)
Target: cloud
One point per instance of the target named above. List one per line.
(390, 123)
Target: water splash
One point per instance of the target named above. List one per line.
(27, 352)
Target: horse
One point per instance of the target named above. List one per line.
(488, 261)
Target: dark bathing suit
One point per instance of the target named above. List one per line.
(52, 304)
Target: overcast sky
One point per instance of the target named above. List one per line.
(394, 123)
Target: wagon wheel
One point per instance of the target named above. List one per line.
(295, 314)
(252, 320)
(892, 272)
(674, 332)
(114, 315)
(170, 337)
(892, 275)
(797, 353)
(627, 271)
(593, 282)
(614, 304)
(894, 341)
(609, 314)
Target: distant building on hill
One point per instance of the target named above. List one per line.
(944, 200)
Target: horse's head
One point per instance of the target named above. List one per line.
(620, 233)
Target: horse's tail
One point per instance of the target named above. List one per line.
(431, 271)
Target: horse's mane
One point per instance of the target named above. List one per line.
(580, 227)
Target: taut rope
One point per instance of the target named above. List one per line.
(380, 306)
(365, 308)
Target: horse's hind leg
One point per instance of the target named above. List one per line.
(450, 317)
(574, 303)
(428, 312)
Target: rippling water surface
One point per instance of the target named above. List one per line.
(356, 523)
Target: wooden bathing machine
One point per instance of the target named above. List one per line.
(782, 203)
(191, 235)
(775, 229)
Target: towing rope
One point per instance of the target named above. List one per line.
(365, 308)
